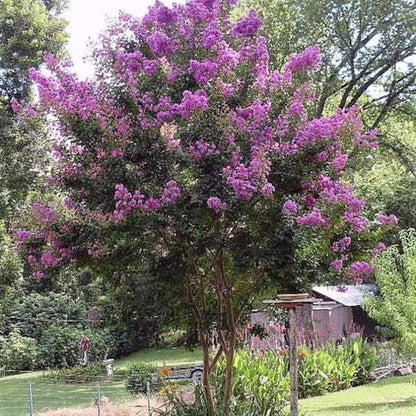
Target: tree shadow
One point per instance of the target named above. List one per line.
(360, 408)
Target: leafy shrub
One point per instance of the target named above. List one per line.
(138, 377)
(20, 353)
(60, 346)
(394, 305)
(87, 374)
(262, 384)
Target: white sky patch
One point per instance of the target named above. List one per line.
(88, 18)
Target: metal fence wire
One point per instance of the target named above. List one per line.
(26, 395)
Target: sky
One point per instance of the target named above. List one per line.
(87, 18)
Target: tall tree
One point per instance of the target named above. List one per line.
(368, 49)
(28, 29)
(188, 156)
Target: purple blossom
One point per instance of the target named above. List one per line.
(160, 44)
(267, 189)
(23, 235)
(341, 245)
(308, 60)
(45, 214)
(39, 275)
(202, 149)
(337, 265)
(342, 288)
(314, 218)
(212, 35)
(361, 268)
(203, 71)
(380, 247)
(247, 26)
(290, 207)
(239, 180)
(340, 161)
(358, 223)
(216, 204)
(388, 219)
(171, 192)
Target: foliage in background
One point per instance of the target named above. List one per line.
(367, 46)
(140, 376)
(20, 353)
(394, 306)
(28, 29)
(92, 373)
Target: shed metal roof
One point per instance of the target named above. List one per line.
(352, 296)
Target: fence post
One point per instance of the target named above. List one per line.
(99, 399)
(149, 412)
(30, 399)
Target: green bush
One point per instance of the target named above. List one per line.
(87, 374)
(262, 384)
(138, 377)
(20, 353)
(60, 346)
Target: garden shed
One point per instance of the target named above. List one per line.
(336, 313)
(340, 312)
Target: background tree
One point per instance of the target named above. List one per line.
(28, 29)
(368, 58)
(367, 47)
(188, 157)
(394, 306)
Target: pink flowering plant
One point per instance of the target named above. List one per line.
(188, 151)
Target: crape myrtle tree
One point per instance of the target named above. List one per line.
(187, 156)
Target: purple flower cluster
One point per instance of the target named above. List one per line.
(202, 149)
(314, 218)
(216, 204)
(128, 202)
(388, 219)
(247, 26)
(308, 60)
(341, 245)
(290, 207)
(380, 248)
(361, 268)
(337, 265)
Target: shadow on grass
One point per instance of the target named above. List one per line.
(360, 408)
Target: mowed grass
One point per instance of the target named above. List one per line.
(14, 390)
(14, 394)
(171, 357)
(395, 396)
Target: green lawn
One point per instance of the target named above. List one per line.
(394, 396)
(166, 356)
(48, 395)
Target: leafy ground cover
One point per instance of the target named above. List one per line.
(395, 396)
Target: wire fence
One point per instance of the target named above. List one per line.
(30, 394)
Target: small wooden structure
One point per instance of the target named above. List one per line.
(292, 302)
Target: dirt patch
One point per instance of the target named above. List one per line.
(137, 408)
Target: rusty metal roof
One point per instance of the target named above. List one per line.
(352, 295)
